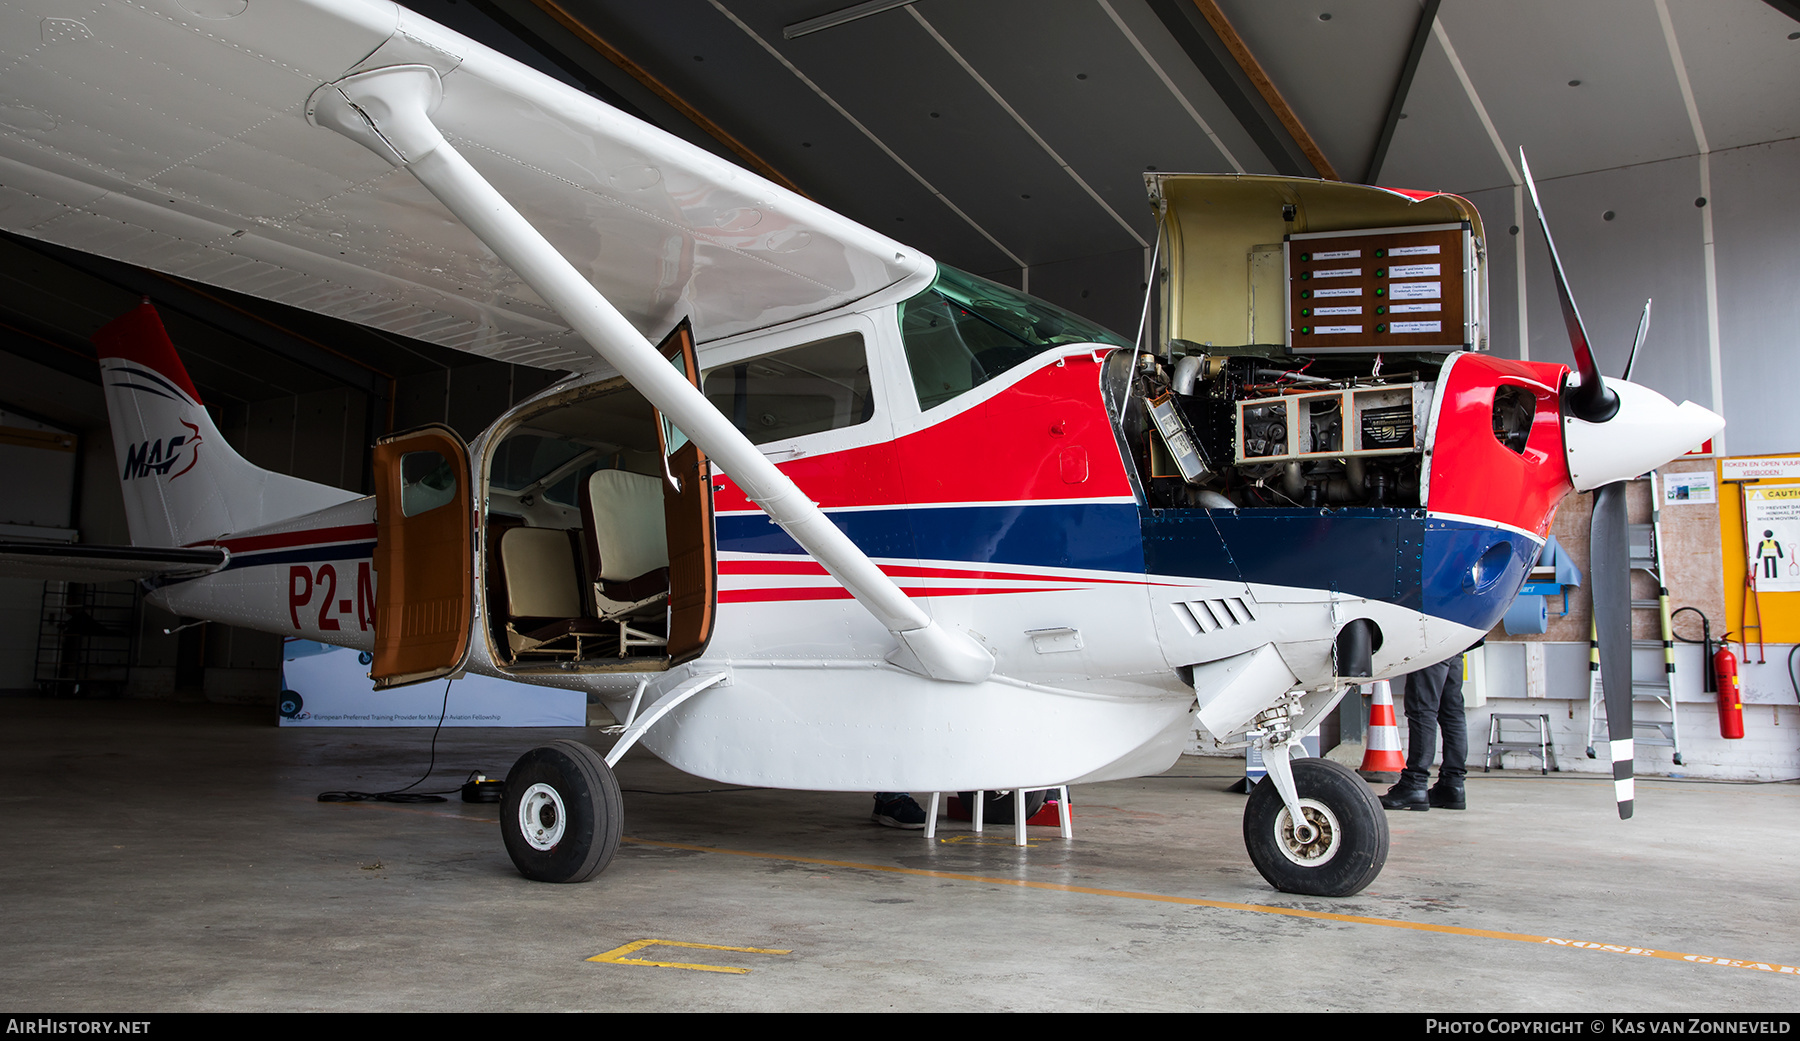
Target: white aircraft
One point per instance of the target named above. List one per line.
(864, 522)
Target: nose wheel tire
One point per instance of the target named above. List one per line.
(1346, 841)
(562, 814)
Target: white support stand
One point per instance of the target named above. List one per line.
(1065, 818)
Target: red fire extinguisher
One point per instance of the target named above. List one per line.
(1721, 676)
(1731, 700)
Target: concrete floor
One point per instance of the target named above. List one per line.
(167, 857)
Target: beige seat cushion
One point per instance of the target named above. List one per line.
(541, 580)
(628, 524)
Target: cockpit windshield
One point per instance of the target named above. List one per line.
(966, 330)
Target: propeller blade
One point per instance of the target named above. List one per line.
(1643, 329)
(1591, 401)
(1610, 562)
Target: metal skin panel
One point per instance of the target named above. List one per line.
(261, 586)
(1470, 473)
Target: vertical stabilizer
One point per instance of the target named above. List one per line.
(183, 484)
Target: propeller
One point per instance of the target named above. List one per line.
(1643, 329)
(1608, 536)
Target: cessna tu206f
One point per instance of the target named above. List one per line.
(865, 523)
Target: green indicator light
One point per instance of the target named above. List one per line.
(1306, 256)
(1381, 272)
(1381, 253)
(1306, 312)
(1381, 328)
(1381, 310)
(1304, 275)
(1380, 291)
(1305, 294)
(1306, 330)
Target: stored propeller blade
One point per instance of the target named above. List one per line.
(1591, 399)
(1643, 330)
(1610, 562)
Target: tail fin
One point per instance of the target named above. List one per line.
(183, 484)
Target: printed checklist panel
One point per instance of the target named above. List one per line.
(1380, 289)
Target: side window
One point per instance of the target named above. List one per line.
(427, 481)
(801, 390)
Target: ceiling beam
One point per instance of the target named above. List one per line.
(1227, 80)
(843, 16)
(1413, 56)
(1240, 51)
(637, 72)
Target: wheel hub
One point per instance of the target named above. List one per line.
(541, 817)
(1315, 841)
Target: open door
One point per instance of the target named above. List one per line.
(424, 562)
(688, 518)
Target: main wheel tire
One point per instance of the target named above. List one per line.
(291, 703)
(997, 808)
(562, 813)
(1352, 844)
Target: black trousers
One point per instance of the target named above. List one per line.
(1434, 702)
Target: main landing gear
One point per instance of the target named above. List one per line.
(562, 814)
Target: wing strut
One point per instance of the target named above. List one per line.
(388, 111)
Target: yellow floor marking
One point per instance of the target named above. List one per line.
(1291, 912)
(616, 956)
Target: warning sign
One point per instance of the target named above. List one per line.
(1771, 536)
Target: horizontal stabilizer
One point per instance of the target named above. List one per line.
(60, 562)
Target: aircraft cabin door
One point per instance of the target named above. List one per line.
(687, 518)
(424, 560)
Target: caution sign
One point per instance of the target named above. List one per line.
(1772, 536)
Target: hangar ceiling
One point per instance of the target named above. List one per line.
(1009, 137)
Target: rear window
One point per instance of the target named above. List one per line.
(802, 390)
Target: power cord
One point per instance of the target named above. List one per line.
(406, 794)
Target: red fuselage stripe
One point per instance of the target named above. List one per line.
(290, 539)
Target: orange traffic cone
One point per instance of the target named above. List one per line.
(1383, 741)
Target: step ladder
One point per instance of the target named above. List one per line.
(1646, 556)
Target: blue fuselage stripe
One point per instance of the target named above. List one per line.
(1457, 570)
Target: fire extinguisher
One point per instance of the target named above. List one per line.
(1721, 677)
(1731, 699)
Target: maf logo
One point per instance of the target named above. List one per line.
(161, 455)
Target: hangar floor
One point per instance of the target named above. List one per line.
(166, 857)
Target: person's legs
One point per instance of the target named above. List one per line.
(1453, 722)
(1423, 689)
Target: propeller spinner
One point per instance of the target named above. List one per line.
(1612, 433)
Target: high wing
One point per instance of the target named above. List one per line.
(180, 142)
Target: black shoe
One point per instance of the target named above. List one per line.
(1447, 797)
(902, 812)
(1400, 797)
